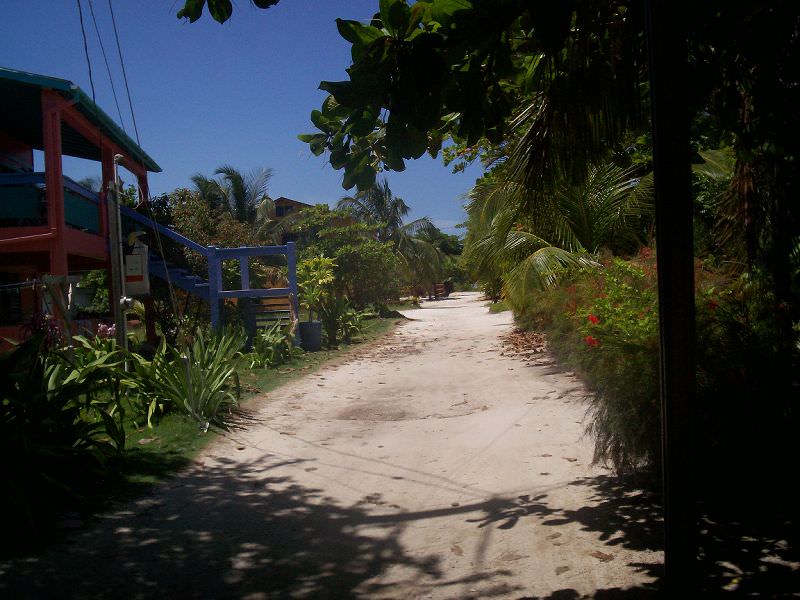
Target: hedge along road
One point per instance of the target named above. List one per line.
(427, 465)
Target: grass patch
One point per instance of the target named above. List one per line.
(498, 307)
(406, 304)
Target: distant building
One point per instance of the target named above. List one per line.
(286, 206)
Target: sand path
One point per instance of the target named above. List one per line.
(424, 466)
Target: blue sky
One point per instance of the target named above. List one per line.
(207, 94)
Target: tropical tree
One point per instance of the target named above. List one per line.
(528, 250)
(379, 207)
(243, 195)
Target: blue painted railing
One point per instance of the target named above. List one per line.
(216, 290)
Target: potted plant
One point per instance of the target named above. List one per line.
(315, 286)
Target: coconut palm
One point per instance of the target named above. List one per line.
(379, 207)
(244, 195)
(528, 248)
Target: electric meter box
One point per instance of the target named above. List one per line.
(137, 278)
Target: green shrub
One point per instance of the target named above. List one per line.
(201, 381)
(57, 430)
(272, 346)
(367, 272)
(604, 325)
(619, 359)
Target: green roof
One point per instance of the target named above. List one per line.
(21, 116)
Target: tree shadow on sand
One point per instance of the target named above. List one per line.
(233, 530)
(232, 533)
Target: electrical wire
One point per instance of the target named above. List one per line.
(105, 59)
(124, 73)
(86, 50)
(146, 201)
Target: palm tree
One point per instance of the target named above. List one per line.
(378, 206)
(243, 195)
(529, 249)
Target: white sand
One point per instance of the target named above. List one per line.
(424, 466)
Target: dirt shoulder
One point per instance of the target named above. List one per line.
(427, 466)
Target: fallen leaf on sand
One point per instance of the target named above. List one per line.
(288, 433)
(601, 556)
(569, 458)
(560, 570)
(545, 455)
(553, 536)
(456, 549)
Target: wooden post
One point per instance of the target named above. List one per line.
(117, 272)
(144, 190)
(214, 287)
(291, 262)
(107, 177)
(54, 180)
(666, 36)
(247, 305)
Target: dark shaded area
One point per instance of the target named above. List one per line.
(236, 533)
(233, 533)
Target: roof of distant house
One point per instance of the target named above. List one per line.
(21, 116)
(284, 200)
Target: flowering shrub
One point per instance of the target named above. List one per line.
(604, 324)
(106, 332)
(619, 361)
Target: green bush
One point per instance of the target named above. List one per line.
(604, 325)
(272, 346)
(619, 359)
(201, 381)
(748, 383)
(57, 429)
(367, 272)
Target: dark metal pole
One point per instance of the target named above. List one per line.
(666, 34)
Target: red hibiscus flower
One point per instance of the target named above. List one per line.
(591, 341)
(593, 319)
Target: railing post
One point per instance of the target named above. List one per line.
(214, 287)
(244, 269)
(247, 305)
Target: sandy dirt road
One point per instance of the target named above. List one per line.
(425, 466)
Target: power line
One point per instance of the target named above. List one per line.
(86, 50)
(105, 59)
(124, 74)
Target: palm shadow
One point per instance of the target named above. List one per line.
(223, 532)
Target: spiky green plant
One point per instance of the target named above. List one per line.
(200, 380)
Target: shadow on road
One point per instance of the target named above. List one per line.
(241, 533)
(229, 533)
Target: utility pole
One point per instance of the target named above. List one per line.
(119, 301)
(667, 41)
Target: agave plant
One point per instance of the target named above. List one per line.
(201, 380)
